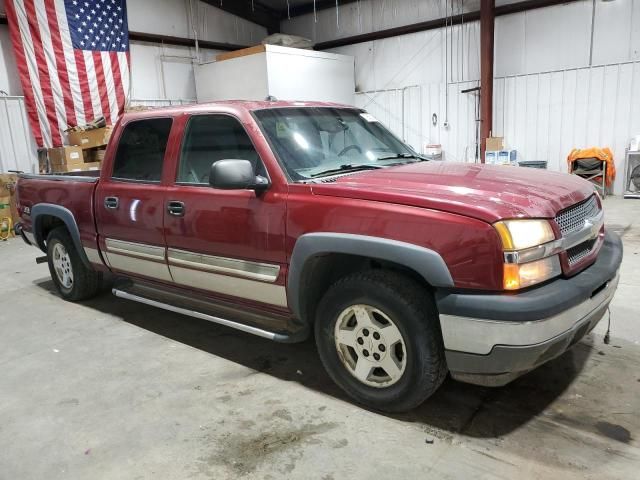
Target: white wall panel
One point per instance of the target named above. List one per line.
(612, 31)
(557, 37)
(9, 80)
(219, 26)
(163, 17)
(173, 17)
(17, 147)
(164, 71)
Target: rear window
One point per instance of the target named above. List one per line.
(141, 149)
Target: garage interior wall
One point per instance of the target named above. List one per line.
(160, 74)
(552, 92)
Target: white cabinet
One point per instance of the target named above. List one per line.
(284, 73)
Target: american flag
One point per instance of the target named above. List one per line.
(73, 59)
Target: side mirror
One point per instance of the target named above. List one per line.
(235, 174)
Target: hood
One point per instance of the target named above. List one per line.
(486, 192)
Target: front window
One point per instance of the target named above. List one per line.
(314, 142)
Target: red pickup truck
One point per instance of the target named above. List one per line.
(292, 219)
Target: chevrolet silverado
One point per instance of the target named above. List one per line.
(296, 219)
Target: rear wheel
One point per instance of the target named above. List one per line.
(378, 336)
(72, 278)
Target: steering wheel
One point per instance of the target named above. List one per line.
(350, 147)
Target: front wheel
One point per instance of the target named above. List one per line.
(378, 336)
(72, 278)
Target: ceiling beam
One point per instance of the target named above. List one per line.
(252, 10)
(438, 23)
(181, 41)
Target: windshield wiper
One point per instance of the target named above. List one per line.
(400, 155)
(346, 168)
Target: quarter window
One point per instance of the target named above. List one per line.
(210, 138)
(141, 150)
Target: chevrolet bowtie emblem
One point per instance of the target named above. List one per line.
(595, 229)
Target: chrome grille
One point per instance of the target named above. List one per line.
(577, 253)
(572, 219)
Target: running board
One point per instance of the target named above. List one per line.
(277, 337)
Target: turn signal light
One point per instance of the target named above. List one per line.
(522, 275)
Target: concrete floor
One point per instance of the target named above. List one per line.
(114, 389)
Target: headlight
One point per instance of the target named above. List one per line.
(529, 252)
(520, 234)
(521, 275)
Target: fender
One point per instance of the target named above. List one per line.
(428, 263)
(68, 219)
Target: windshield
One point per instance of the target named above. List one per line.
(316, 142)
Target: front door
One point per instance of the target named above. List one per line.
(227, 243)
(130, 203)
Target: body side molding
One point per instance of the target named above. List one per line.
(67, 218)
(428, 263)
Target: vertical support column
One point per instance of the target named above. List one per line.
(487, 22)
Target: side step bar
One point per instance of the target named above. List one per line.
(277, 337)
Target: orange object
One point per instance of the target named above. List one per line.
(595, 152)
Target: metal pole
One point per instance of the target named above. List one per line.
(487, 21)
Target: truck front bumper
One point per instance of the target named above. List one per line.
(492, 339)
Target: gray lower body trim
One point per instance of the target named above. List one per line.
(242, 268)
(138, 259)
(93, 255)
(480, 336)
(233, 286)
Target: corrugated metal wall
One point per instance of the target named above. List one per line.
(547, 114)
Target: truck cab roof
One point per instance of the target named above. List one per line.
(230, 106)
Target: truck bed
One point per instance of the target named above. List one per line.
(74, 193)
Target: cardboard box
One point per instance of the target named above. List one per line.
(8, 205)
(80, 167)
(94, 155)
(97, 137)
(65, 156)
(495, 144)
(7, 184)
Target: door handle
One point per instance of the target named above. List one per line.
(175, 208)
(111, 202)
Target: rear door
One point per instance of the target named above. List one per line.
(224, 242)
(130, 201)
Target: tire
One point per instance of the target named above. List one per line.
(416, 359)
(73, 280)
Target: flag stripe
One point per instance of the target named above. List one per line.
(60, 62)
(111, 88)
(92, 81)
(70, 66)
(102, 84)
(83, 82)
(43, 73)
(117, 79)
